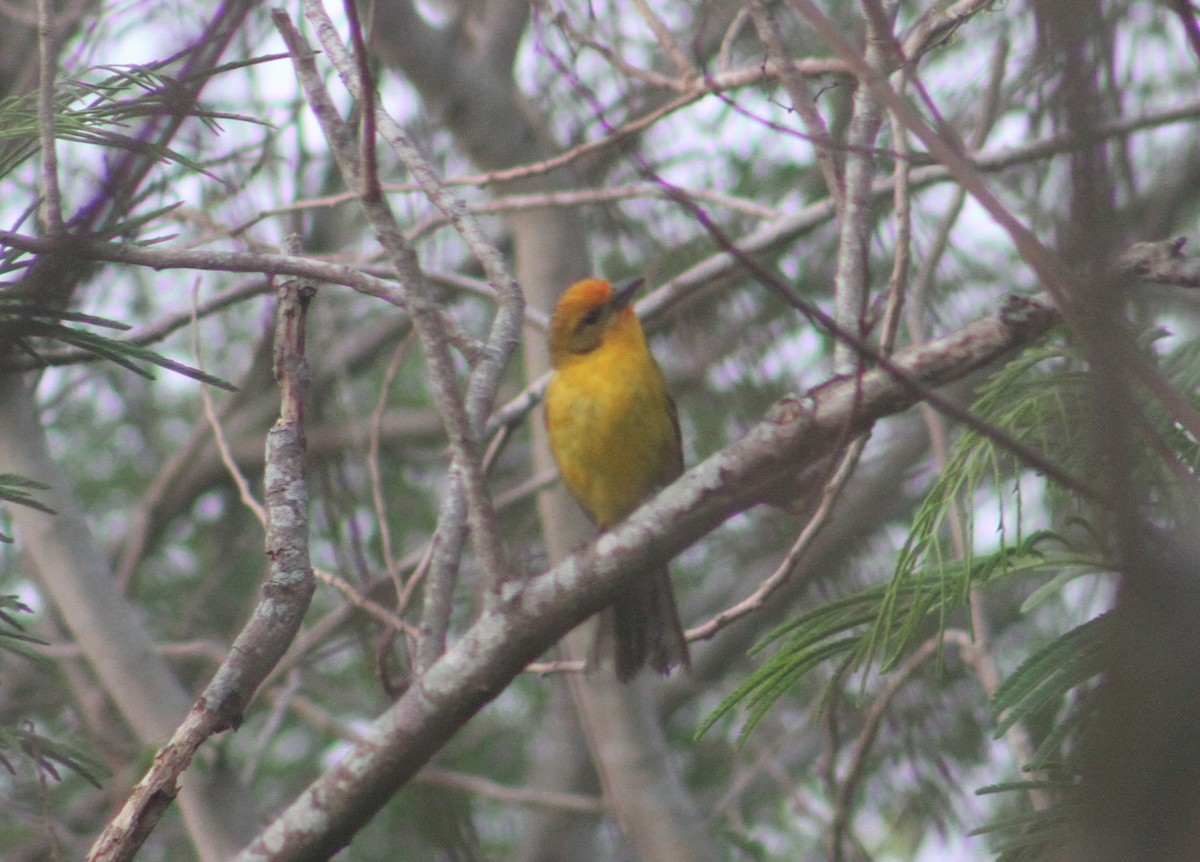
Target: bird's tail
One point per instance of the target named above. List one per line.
(643, 628)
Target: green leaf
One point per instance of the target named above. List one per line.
(14, 489)
(12, 634)
(21, 322)
(49, 754)
(1053, 671)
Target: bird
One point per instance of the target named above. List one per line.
(614, 433)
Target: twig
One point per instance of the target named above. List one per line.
(316, 636)
(210, 651)
(125, 174)
(324, 720)
(665, 38)
(721, 82)
(506, 326)
(584, 197)
(923, 280)
(783, 572)
(621, 63)
(554, 799)
(279, 706)
(366, 99)
(1187, 17)
(548, 668)
(214, 422)
(848, 786)
(222, 261)
(865, 352)
(153, 332)
(463, 416)
(148, 508)
(1161, 262)
(522, 490)
(828, 159)
(780, 231)
(466, 494)
(684, 286)
(52, 216)
(902, 257)
(414, 580)
(1052, 272)
(937, 24)
(381, 515)
(974, 648)
(732, 32)
(360, 600)
(851, 279)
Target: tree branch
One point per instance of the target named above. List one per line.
(276, 619)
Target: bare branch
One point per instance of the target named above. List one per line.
(829, 160)
(1161, 262)
(221, 261)
(52, 215)
(276, 619)
(214, 422)
(851, 281)
(467, 499)
(848, 786)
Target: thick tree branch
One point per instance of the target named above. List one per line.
(1161, 262)
(276, 619)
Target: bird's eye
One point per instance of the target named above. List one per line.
(593, 316)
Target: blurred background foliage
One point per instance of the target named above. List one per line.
(944, 633)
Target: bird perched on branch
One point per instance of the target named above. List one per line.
(614, 433)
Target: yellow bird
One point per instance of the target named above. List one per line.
(614, 433)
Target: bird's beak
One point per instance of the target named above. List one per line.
(624, 293)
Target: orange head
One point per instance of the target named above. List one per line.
(586, 312)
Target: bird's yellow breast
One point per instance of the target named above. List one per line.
(612, 426)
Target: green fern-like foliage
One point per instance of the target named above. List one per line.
(12, 634)
(1049, 675)
(95, 107)
(1059, 673)
(16, 489)
(1028, 835)
(1036, 398)
(1042, 399)
(846, 629)
(23, 325)
(48, 755)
